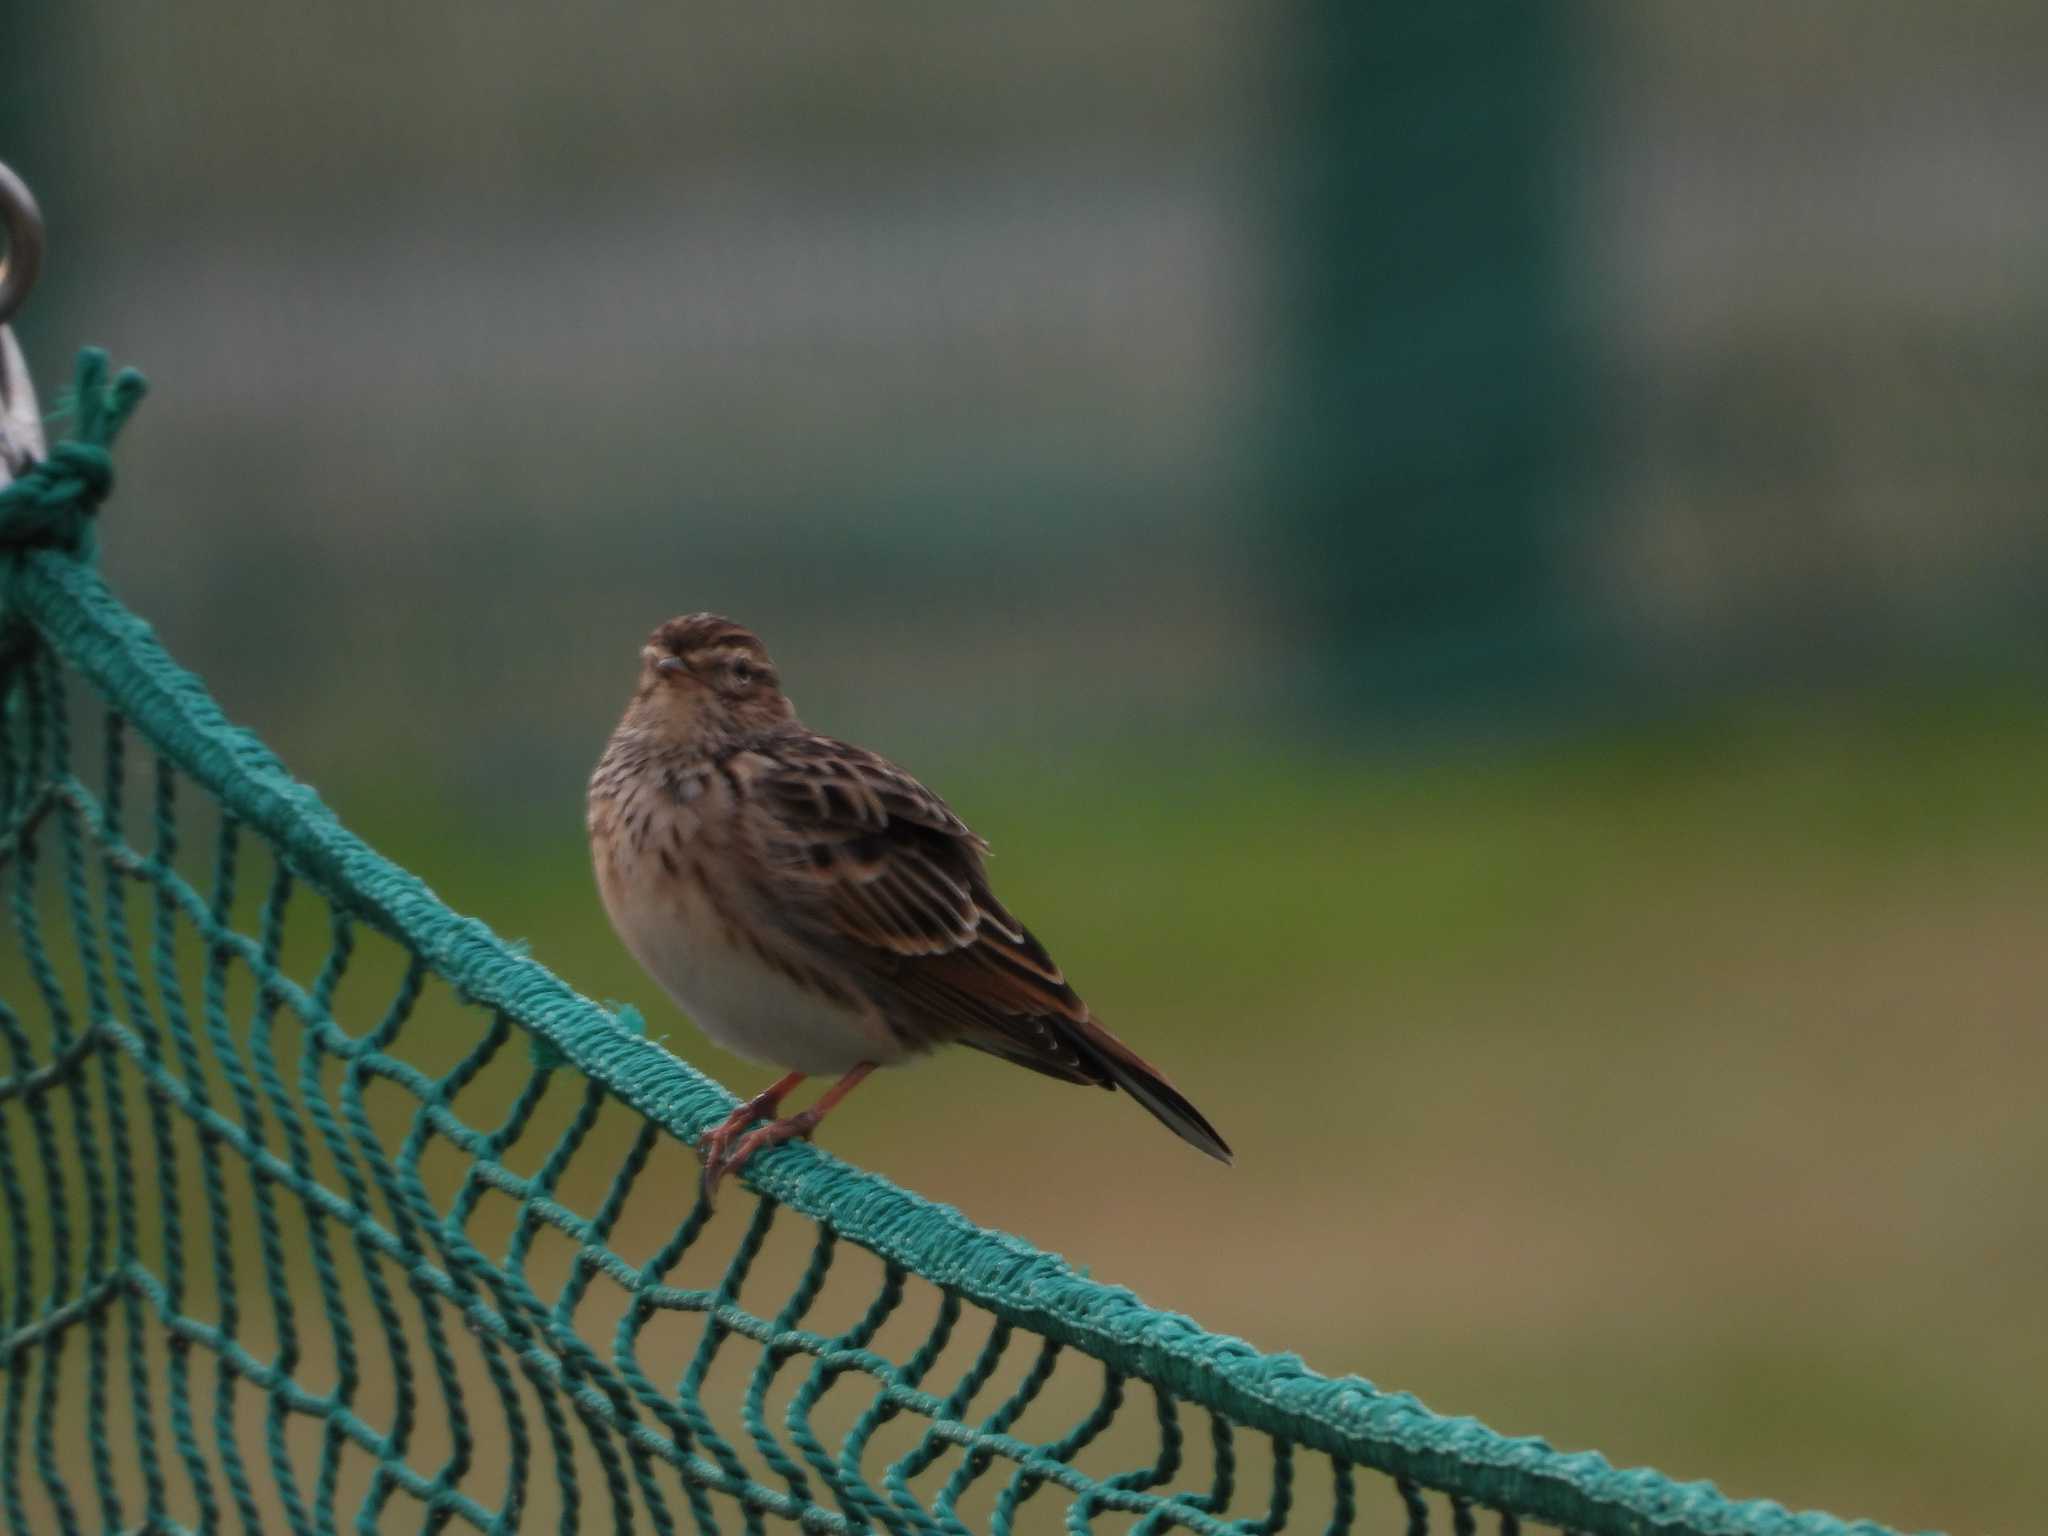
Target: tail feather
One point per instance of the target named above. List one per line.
(1148, 1085)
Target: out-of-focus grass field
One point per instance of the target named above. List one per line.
(1675, 1094)
(1672, 1092)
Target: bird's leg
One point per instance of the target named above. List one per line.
(717, 1141)
(778, 1131)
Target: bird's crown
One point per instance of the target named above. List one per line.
(695, 632)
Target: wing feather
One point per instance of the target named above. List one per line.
(879, 871)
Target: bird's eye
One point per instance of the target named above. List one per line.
(742, 674)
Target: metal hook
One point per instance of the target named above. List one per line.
(23, 221)
(21, 419)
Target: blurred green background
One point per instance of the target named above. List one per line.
(1482, 568)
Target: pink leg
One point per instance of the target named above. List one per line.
(716, 1142)
(776, 1132)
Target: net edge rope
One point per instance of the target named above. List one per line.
(59, 592)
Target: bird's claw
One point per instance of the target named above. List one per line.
(723, 1156)
(716, 1145)
(720, 1153)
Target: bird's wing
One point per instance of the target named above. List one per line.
(879, 870)
(858, 850)
(865, 855)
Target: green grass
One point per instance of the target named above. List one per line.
(1673, 1093)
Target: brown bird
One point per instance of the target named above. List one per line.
(812, 906)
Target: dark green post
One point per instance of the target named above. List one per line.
(1427, 466)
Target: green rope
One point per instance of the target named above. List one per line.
(53, 502)
(296, 1255)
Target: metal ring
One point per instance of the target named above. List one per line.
(23, 222)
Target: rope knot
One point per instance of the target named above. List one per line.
(51, 501)
(82, 475)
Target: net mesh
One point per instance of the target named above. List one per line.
(321, 1205)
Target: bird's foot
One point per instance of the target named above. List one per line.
(716, 1145)
(773, 1134)
(726, 1149)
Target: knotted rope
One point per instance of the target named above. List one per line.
(52, 502)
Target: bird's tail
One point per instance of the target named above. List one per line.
(1148, 1085)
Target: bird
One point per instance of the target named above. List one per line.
(813, 907)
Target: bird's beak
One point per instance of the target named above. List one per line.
(670, 666)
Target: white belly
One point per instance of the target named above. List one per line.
(743, 1004)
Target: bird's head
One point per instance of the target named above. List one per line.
(702, 675)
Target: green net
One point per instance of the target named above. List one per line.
(321, 1204)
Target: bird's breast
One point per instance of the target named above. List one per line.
(670, 885)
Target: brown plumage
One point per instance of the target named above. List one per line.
(812, 905)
